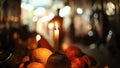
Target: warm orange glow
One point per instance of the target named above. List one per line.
(56, 35)
(41, 54)
(56, 32)
(89, 27)
(56, 25)
(15, 35)
(65, 46)
(35, 65)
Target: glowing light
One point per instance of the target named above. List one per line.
(27, 6)
(47, 18)
(56, 36)
(65, 46)
(89, 27)
(41, 54)
(40, 11)
(110, 4)
(44, 19)
(110, 8)
(50, 25)
(38, 37)
(65, 11)
(79, 10)
(56, 25)
(44, 3)
(51, 15)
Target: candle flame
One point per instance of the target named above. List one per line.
(56, 25)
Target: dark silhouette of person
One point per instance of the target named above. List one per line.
(58, 60)
(106, 27)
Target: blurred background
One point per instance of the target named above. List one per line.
(92, 25)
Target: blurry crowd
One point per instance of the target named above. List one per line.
(72, 57)
(20, 49)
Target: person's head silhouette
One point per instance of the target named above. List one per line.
(58, 60)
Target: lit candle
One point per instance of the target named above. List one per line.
(56, 36)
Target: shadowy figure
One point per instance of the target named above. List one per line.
(58, 60)
(7, 47)
(72, 29)
(91, 62)
(102, 28)
(106, 27)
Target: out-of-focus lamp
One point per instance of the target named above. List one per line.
(38, 37)
(51, 25)
(110, 8)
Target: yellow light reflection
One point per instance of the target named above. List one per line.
(51, 25)
(89, 27)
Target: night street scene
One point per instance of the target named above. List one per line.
(59, 33)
